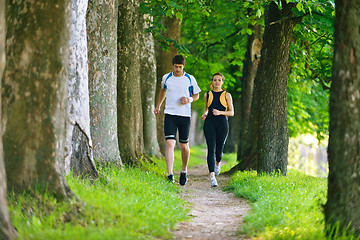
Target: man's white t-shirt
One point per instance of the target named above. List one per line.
(177, 87)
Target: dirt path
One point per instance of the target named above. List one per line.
(215, 214)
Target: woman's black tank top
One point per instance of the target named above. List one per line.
(216, 104)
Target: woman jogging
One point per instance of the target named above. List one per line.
(218, 106)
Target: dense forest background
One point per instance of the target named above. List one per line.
(79, 81)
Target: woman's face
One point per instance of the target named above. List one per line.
(217, 81)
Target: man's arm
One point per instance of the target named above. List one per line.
(161, 98)
(186, 100)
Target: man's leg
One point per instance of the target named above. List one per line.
(185, 154)
(169, 155)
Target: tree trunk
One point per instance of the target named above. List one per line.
(148, 87)
(78, 140)
(130, 120)
(271, 80)
(248, 129)
(251, 64)
(249, 160)
(343, 205)
(164, 65)
(102, 41)
(7, 231)
(35, 96)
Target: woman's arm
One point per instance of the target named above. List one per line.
(206, 108)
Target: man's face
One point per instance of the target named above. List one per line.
(178, 69)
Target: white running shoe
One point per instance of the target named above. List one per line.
(213, 182)
(217, 169)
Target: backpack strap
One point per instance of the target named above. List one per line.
(210, 98)
(223, 99)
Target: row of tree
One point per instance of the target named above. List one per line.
(80, 83)
(71, 73)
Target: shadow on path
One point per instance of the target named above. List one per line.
(215, 214)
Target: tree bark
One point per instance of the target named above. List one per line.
(102, 41)
(130, 120)
(35, 96)
(343, 205)
(7, 231)
(248, 129)
(251, 64)
(148, 87)
(78, 140)
(164, 65)
(271, 81)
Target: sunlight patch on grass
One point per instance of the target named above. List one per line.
(283, 207)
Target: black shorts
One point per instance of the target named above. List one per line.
(173, 123)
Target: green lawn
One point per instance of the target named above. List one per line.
(134, 203)
(138, 203)
(283, 207)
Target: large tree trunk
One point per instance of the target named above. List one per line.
(102, 41)
(271, 81)
(343, 205)
(35, 96)
(79, 155)
(164, 65)
(248, 129)
(251, 64)
(7, 231)
(148, 87)
(130, 120)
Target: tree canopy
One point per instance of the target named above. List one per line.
(214, 35)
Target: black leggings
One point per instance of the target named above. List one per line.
(216, 130)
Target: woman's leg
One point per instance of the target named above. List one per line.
(209, 132)
(222, 130)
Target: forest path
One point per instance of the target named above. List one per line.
(215, 214)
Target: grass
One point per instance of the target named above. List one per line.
(230, 161)
(132, 203)
(138, 203)
(283, 207)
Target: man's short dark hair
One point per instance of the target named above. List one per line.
(178, 59)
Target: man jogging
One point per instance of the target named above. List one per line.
(180, 89)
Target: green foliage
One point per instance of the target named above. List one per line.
(311, 70)
(214, 37)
